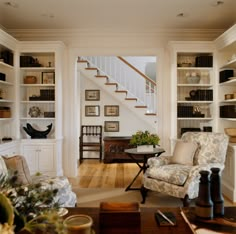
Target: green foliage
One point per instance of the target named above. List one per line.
(144, 138)
(33, 207)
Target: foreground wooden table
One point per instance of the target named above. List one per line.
(148, 222)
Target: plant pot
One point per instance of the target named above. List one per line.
(145, 148)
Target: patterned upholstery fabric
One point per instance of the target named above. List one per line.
(171, 173)
(183, 180)
(3, 167)
(65, 196)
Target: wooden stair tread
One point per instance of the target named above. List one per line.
(151, 114)
(121, 91)
(101, 76)
(131, 99)
(91, 68)
(109, 83)
(140, 106)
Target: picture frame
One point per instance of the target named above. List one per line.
(92, 111)
(92, 95)
(48, 77)
(111, 126)
(111, 110)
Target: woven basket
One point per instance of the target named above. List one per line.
(30, 80)
(5, 114)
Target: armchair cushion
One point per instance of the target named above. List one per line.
(184, 153)
(3, 168)
(171, 173)
(19, 164)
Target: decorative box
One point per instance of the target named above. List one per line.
(119, 216)
(2, 76)
(49, 114)
(225, 75)
(30, 80)
(5, 112)
(228, 111)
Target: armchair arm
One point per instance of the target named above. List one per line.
(192, 183)
(158, 161)
(196, 169)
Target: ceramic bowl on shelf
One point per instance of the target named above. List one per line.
(231, 132)
(193, 79)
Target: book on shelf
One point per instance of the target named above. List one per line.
(219, 225)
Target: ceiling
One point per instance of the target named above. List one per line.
(123, 15)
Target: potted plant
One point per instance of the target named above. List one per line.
(28, 208)
(144, 141)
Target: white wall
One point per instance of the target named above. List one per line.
(129, 121)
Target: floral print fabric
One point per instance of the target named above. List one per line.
(180, 180)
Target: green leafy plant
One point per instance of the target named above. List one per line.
(28, 207)
(144, 138)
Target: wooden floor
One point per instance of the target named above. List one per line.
(95, 174)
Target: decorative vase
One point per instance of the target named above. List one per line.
(145, 148)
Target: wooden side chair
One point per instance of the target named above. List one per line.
(90, 140)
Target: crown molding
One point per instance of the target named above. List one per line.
(71, 35)
(227, 38)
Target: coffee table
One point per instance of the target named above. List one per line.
(148, 222)
(142, 157)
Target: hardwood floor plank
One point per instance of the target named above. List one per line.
(93, 174)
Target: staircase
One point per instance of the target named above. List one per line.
(123, 81)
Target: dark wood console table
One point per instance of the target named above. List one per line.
(114, 148)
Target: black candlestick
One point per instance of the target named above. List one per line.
(204, 204)
(216, 194)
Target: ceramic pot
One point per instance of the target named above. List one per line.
(193, 79)
(145, 148)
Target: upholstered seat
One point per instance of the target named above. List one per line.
(178, 175)
(65, 196)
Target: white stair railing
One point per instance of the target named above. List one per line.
(127, 77)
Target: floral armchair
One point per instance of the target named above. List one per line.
(178, 175)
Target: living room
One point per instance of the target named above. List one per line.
(134, 42)
(160, 29)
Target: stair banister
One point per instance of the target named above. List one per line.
(128, 78)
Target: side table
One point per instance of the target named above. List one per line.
(142, 157)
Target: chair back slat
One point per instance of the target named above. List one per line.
(91, 139)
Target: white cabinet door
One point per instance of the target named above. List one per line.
(30, 153)
(40, 158)
(46, 159)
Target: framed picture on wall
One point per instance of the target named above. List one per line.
(111, 110)
(92, 110)
(48, 77)
(111, 126)
(92, 95)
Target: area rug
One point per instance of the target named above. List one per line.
(91, 197)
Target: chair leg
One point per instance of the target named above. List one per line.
(186, 201)
(144, 192)
(81, 156)
(100, 155)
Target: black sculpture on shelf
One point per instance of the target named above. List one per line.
(35, 134)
